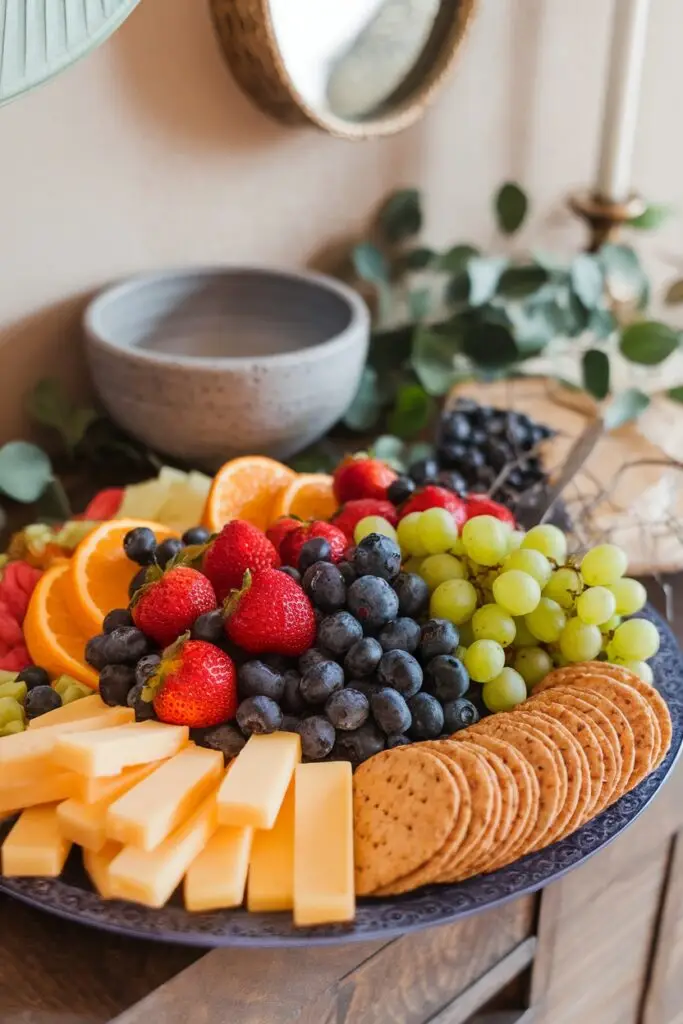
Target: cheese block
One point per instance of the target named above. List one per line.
(35, 846)
(16, 795)
(86, 823)
(110, 787)
(150, 811)
(97, 866)
(255, 786)
(271, 868)
(151, 877)
(109, 751)
(31, 749)
(323, 844)
(86, 707)
(216, 879)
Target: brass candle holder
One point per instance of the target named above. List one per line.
(604, 218)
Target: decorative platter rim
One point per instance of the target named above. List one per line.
(375, 919)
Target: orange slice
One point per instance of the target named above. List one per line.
(100, 573)
(53, 638)
(308, 496)
(246, 488)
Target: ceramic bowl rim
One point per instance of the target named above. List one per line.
(358, 327)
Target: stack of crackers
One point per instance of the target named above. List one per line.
(448, 809)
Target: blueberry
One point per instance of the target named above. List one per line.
(456, 427)
(373, 602)
(321, 681)
(348, 572)
(290, 571)
(446, 677)
(458, 714)
(290, 723)
(138, 581)
(118, 617)
(227, 738)
(347, 709)
(413, 594)
(377, 555)
(400, 490)
(168, 549)
(146, 667)
(196, 535)
(258, 715)
(397, 739)
(256, 679)
(209, 627)
(400, 635)
(144, 709)
(438, 636)
(139, 545)
(317, 549)
(423, 471)
(325, 586)
(452, 481)
(428, 716)
(390, 711)
(451, 455)
(40, 700)
(279, 662)
(401, 671)
(317, 737)
(339, 632)
(95, 651)
(292, 700)
(116, 682)
(125, 646)
(33, 676)
(359, 745)
(310, 658)
(363, 658)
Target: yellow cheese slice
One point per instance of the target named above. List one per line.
(25, 749)
(109, 751)
(112, 786)
(16, 795)
(216, 879)
(151, 877)
(35, 846)
(86, 823)
(149, 812)
(86, 707)
(271, 869)
(255, 786)
(323, 844)
(97, 867)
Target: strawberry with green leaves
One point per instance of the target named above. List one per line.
(170, 601)
(270, 614)
(195, 685)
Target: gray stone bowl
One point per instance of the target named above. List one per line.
(208, 364)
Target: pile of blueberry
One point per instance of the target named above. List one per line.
(125, 659)
(142, 548)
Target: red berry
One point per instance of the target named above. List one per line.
(238, 547)
(294, 541)
(169, 606)
(360, 477)
(436, 497)
(104, 505)
(480, 505)
(280, 529)
(195, 685)
(352, 512)
(271, 614)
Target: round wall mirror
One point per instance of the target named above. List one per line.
(355, 68)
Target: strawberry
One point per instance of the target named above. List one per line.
(294, 541)
(280, 529)
(195, 685)
(480, 505)
(352, 512)
(168, 604)
(15, 660)
(435, 497)
(238, 547)
(360, 477)
(104, 505)
(270, 614)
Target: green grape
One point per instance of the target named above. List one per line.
(635, 640)
(12, 728)
(546, 621)
(10, 711)
(641, 669)
(16, 690)
(454, 600)
(564, 586)
(409, 536)
(458, 548)
(533, 664)
(436, 569)
(531, 561)
(559, 660)
(460, 652)
(486, 539)
(603, 565)
(611, 624)
(579, 642)
(505, 691)
(515, 538)
(630, 595)
(484, 660)
(8, 677)
(516, 592)
(413, 564)
(437, 530)
(466, 634)
(547, 539)
(491, 623)
(374, 524)
(596, 606)
(524, 637)
(74, 692)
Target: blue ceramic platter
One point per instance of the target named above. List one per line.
(70, 897)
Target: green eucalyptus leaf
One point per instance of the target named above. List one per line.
(370, 263)
(391, 450)
(419, 259)
(419, 450)
(595, 366)
(432, 360)
(489, 344)
(520, 282)
(419, 303)
(49, 405)
(652, 217)
(390, 350)
(365, 409)
(401, 215)
(602, 323)
(511, 205)
(623, 271)
(25, 471)
(319, 458)
(484, 274)
(458, 290)
(674, 293)
(577, 317)
(587, 280)
(648, 343)
(624, 407)
(412, 411)
(456, 259)
(676, 394)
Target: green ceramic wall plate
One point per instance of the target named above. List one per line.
(40, 38)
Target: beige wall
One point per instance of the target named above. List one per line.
(146, 154)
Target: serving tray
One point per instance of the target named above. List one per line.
(71, 897)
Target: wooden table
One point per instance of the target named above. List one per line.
(602, 946)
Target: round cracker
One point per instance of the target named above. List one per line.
(404, 804)
(591, 741)
(509, 804)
